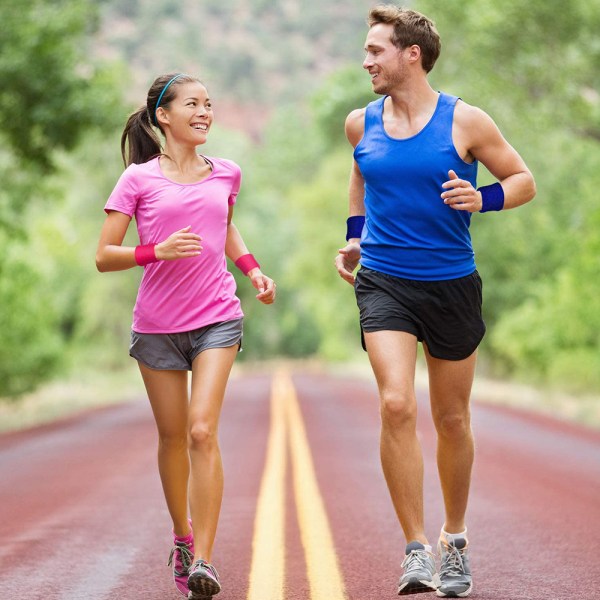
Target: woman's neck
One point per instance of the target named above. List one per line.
(182, 159)
(184, 167)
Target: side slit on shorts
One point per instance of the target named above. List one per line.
(177, 351)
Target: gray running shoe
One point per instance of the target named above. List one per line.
(419, 571)
(455, 570)
(203, 581)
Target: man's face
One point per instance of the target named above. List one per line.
(384, 61)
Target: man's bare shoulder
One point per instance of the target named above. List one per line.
(471, 117)
(357, 114)
(355, 125)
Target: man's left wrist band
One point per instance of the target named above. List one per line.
(354, 226)
(145, 254)
(492, 197)
(246, 263)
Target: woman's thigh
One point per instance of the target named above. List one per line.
(168, 395)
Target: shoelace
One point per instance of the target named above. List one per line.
(416, 556)
(184, 554)
(207, 567)
(452, 563)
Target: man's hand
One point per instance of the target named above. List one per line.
(347, 261)
(461, 194)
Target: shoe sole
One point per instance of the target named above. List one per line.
(454, 594)
(417, 587)
(203, 588)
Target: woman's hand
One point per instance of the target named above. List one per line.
(181, 244)
(265, 285)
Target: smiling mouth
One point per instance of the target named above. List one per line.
(200, 126)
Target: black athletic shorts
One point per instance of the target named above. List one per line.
(445, 315)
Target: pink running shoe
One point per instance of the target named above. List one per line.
(181, 558)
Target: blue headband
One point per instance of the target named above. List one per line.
(162, 93)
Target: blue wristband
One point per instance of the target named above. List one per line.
(492, 197)
(354, 226)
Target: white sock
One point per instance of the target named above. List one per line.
(450, 537)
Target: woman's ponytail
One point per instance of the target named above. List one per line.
(139, 142)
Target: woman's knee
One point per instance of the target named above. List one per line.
(172, 440)
(202, 436)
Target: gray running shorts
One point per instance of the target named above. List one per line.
(176, 351)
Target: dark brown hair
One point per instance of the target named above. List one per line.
(410, 28)
(139, 142)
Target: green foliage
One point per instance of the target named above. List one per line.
(533, 66)
(323, 206)
(31, 340)
(97, 307)
(50, 95)
(344, 91)
(557, 331)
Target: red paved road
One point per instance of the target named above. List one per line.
(82, 515)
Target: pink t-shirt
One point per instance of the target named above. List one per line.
(188, 293)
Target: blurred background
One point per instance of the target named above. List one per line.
(283, 75)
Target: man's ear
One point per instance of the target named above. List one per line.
(414, 53)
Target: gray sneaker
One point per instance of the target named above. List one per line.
(203, 581)
(455, 570)
(419, 571)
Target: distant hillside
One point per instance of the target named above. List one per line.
(252, 54)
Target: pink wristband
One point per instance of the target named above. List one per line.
(145, 254)
(246, 263)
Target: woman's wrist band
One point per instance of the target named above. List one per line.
(492, 197)
(145, 254)
(246, 263)
(354, 226)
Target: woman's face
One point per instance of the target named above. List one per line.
(189, 115)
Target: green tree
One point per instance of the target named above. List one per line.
(343, 91)
(50, 95)
(556, 333)
(534, 67)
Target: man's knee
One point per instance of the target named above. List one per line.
(398, 408)
(453, 425)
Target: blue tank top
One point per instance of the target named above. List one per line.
(409, 232)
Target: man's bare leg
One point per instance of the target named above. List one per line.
(393, 357)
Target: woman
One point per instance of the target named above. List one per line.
(186, 317)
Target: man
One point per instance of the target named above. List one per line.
(412, 193)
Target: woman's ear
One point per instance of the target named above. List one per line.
(162, 116)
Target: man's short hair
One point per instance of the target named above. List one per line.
(410, 28)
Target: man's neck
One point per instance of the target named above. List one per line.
(412, 100)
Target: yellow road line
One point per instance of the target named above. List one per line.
(324, 575)
(267, 571)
